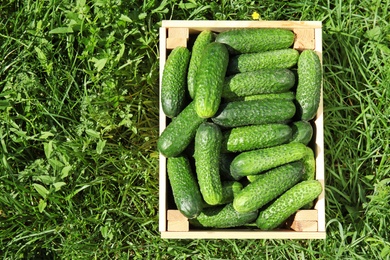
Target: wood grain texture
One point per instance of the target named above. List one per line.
(304, 39)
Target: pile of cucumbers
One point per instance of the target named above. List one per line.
(241, 104)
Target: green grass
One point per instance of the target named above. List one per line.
(79, 124)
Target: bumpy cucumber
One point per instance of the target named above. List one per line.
(263, 190)
(209, 79)
(308, 92)
(289, 95)
(250, 40)
(279, 59)
(174, 79)
(302, 132)
(225, 160)
(288, 203)
(275, 96)
(258, 82)
(202, 40)
(309, 162)
(230, 189)
(257, 161)
(180, 132)
(185, 188)
(224, 216)
(252, 137)
(253, 112)
(252, 178)
(208, 140)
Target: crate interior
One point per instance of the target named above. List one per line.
(169, 202)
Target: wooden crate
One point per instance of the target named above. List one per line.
(305, 224)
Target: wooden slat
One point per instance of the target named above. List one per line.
(237, 234)
(175, 215)
(162, 160)
(178, 32)
(178, 226)
(304, 39)
(305, 220)
(224, 25)
(319, 143)
(177, 221)
(309, 215)
(305, 226)
(177, 37)
(175, 42)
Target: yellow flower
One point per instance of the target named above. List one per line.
(255, 15)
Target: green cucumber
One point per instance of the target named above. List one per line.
(308, 92)
(254, 112)
(225, 159)
(252, 178)
(252, 137)
(289, 95)
(208, 141)
(258, 82)
(185, 188)
(230, 189)
(302, 132)
(288, 203)
(309, 162)
(275, 96)
(173, 82)
(279, 59)
(263, 190)
(249, 40)
(224, 216)
(202, 40)
(257, 161)
(209, 79)
(180, 132)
